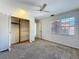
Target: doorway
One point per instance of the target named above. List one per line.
(19, 30)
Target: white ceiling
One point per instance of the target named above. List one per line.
(54, 6)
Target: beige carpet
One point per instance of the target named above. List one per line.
(40, 49)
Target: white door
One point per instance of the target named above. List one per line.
(39, 30)
(15, 33)
(24, 25)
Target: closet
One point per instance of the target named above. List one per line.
(19, 30)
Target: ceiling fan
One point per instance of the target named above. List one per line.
(42, 8)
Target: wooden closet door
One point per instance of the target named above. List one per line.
(15, 33)
(24, 30)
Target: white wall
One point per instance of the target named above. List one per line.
(32, 30)
(4, 32)
(47, 34)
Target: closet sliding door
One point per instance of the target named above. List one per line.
(15, 33)
(24, 30)
(14, 30)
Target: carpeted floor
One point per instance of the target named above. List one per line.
(40, 49)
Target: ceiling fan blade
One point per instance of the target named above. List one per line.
(42, 11)
(47, 11)
(43, 7)
(29, 3)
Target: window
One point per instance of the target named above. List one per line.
(67, 26)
